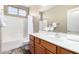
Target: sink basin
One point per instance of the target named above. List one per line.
(56, 35)
(50, 36)
(62, 36)
(73, 38)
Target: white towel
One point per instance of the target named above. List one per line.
(30, 24)
(2, 22)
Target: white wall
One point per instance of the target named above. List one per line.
(1, 7)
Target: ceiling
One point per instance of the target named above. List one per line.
(35, 9)
(39, 7)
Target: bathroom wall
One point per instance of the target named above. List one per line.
(34, 11)
(1, 7)
(35, 25)
(58, 14)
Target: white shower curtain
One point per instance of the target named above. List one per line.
(12, 33)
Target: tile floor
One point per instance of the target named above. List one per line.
(17, 51)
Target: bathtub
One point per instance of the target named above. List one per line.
(9, 45)
(6, 46)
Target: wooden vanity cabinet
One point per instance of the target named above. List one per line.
(31, 44)
(40, 46)
(49, 52)
(39, 49)
(37, 40)
(50, 47)
(64, 51)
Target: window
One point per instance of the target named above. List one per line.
(22, 12)
(14, 10)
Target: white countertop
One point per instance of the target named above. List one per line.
(62, 42)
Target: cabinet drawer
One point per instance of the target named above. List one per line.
(49, 46)
(31, 37)
(37, 40)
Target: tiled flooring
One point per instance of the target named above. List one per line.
(17, 51)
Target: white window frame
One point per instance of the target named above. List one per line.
(17, 13)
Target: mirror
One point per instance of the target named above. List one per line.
(73, 21)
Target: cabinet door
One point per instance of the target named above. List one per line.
(39, 49)
(48, 52)
(37, 40)
(48, 46)
(31, 46)
(63, 51)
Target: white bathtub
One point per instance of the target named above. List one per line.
(13, 44)
(6, 46)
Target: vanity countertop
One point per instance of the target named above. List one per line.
(62, 42)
